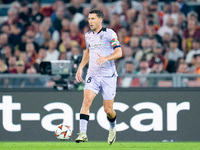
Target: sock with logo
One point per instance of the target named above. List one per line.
(112, 122)
(83, 122)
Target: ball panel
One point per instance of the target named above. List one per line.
(63, 132)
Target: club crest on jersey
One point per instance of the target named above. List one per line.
(101, 37)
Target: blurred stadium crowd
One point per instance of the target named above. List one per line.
(155, 38)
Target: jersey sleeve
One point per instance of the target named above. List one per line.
(113, 39)
(86, 43)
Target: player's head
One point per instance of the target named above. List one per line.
(98, 13)
(95, 19)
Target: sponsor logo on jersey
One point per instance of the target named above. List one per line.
(94, 45)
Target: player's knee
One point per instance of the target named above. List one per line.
(87, 102)
(108, 110)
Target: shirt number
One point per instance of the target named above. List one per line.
(89, 79)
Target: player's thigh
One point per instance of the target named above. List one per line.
(109, 87)
(92, 84)
(89, 95)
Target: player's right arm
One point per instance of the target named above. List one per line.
(84, 61)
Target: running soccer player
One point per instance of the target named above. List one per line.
(103, 48)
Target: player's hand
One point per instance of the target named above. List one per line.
(101, 60)
(79, 76)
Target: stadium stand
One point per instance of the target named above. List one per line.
(32, 30)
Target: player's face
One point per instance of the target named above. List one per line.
(94, 22)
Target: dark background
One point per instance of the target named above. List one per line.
(33, 101)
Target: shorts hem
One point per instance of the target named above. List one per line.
(109, 99)
(95, 91)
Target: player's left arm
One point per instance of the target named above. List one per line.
(117, 54)
(112, 37)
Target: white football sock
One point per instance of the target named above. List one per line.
(83, 125)
(112, 124)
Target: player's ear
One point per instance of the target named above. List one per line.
(101, 20)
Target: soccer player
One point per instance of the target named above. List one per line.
(103, 48)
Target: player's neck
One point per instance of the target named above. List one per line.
(98, 29)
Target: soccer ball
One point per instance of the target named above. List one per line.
(63, 132)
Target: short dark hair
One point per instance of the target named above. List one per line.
(129, 62)
(129, 3)
(24, 3)
(150, 22)
(174, 40)
(98, 13)
(196, 55)
(196, 40)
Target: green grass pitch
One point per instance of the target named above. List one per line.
(99, 146)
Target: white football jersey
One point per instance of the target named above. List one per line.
(104, 42)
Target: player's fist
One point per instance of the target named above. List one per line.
(79, 76)
(101, 60)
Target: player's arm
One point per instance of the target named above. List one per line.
(84, 61)
(117, 54)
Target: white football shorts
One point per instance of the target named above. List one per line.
(105, 84)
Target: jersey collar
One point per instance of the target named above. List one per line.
(102, 29)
